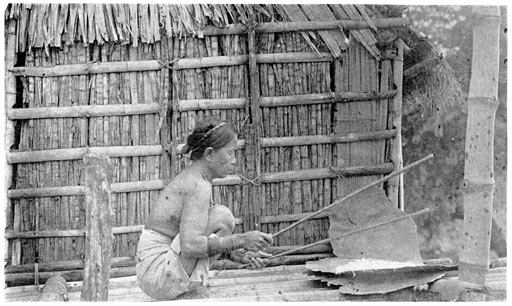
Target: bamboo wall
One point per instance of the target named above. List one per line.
(316, 136)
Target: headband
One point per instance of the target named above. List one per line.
(218, 126)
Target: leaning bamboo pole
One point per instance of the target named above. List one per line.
(337, 202)
(354, 232)
(10, 101)
(478, 166)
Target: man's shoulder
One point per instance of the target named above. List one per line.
(185, 182)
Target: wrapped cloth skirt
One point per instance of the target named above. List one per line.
(159, 271)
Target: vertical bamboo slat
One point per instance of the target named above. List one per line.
(133, 198)
(164, 122)
(12, 217)
(385, 68)
(394, 185)
(253, 132)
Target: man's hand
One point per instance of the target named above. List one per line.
(255, 260)
(255, 240)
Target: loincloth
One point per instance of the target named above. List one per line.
(159, 271)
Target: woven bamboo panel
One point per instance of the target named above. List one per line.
(299, 196)
(358, 72)
(63, 213)
(41, 214)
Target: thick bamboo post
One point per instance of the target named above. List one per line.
(252, 138)
(478, 167)
(10, 100)
(395, 185)
(99, 235)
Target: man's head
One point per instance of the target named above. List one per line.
(214, 142)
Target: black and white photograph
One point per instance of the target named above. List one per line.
(271, 151)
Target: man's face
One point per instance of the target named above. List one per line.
(224, 159)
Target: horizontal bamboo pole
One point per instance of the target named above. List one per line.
(325, 139)
(233, 60)
(69, 233)
(137, 186)
(79, 153)
(294, 57)
(310, 174)
(273, 27)
(18, 279)
(116, 262)
(89, 68)
(323, 173)
(183, 63)
(314, 139)
(79, 190)
(207, 62)
(288, 218)
(82, 111)
(203, 104)
(42, 192)
(307, 99)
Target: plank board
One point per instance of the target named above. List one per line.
(261, 285)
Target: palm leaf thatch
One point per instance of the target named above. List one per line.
(145, 23)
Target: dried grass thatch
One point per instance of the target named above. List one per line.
(58, 24)
(432, 86)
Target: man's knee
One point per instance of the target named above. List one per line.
(220, 220)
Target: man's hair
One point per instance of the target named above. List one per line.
(210, 132)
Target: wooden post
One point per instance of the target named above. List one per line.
(10, 100)
(478, 166)
(395, 185)
(252, 137)
(99, 236)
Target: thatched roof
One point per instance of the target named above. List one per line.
(51, 25)
(430, 84)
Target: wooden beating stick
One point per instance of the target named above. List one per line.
(357, 231)
(416, 163)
